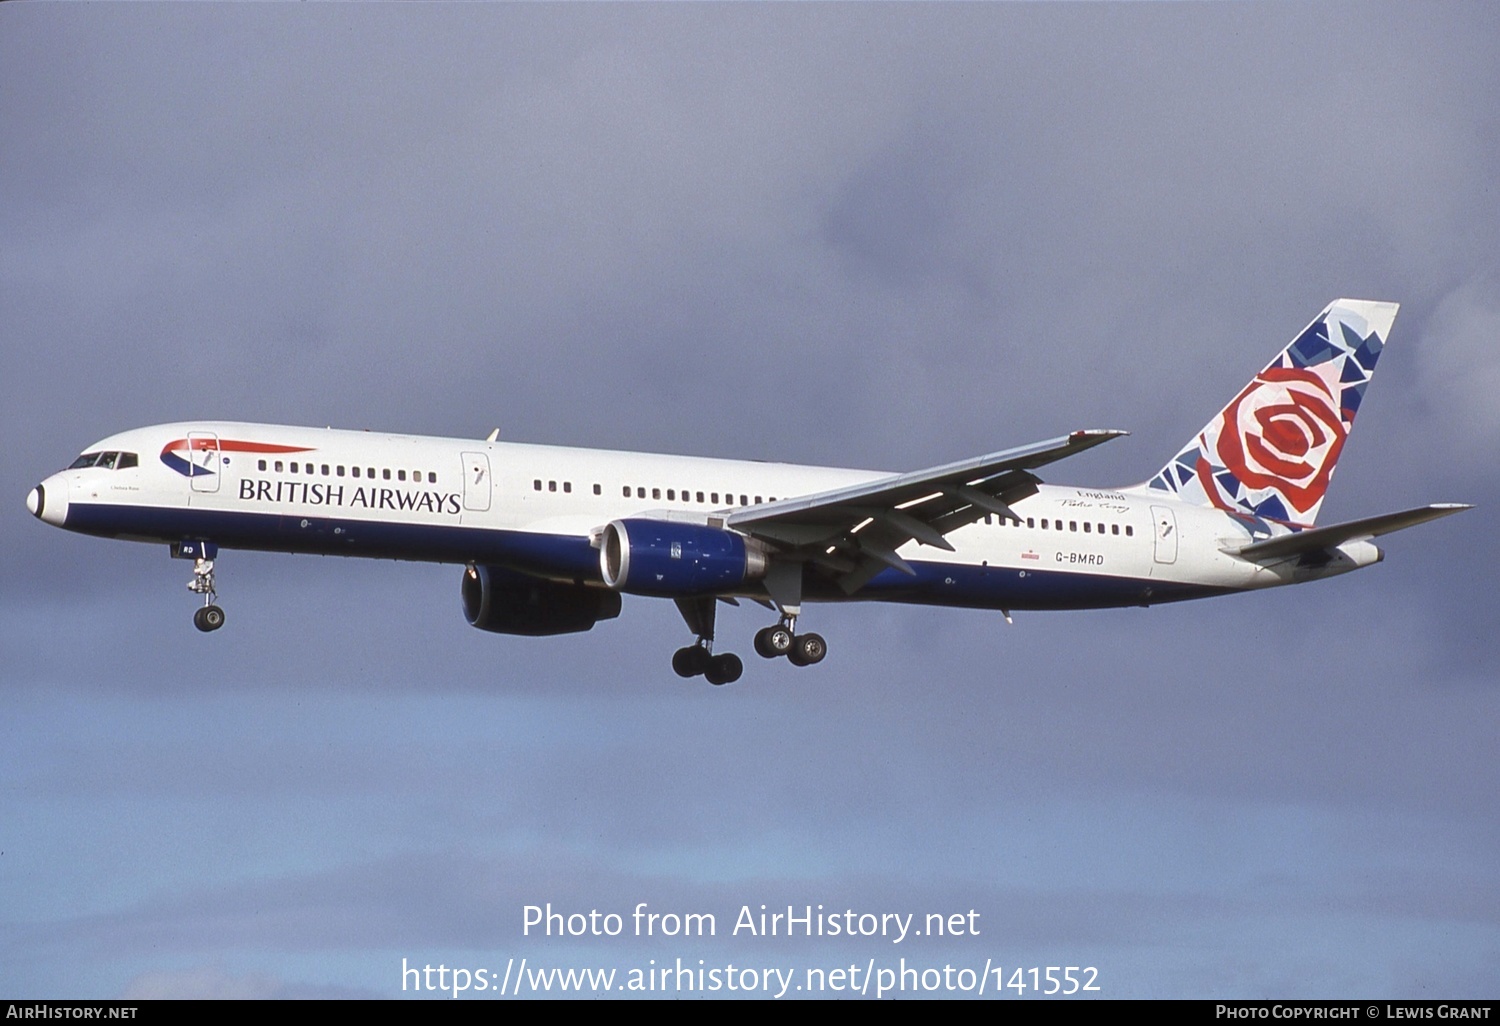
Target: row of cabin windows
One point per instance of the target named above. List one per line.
(337, 470)
(1057, 525)
(690, 496)
(639, 492)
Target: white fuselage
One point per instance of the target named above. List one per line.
(538, 509)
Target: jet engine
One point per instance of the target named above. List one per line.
(676, 560)
(509, 602)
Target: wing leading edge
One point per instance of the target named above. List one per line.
(854, 532)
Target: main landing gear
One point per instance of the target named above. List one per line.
(781, 639)
(698, 659)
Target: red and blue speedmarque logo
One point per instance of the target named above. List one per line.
(179, 454)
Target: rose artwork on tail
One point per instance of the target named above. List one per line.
(1271, 452)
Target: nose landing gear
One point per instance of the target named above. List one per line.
(202, 553)
(211, 616)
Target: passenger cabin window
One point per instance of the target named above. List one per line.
(400, 475)
(597, 491)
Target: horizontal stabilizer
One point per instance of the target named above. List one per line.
(1319, 538)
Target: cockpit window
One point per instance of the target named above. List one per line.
(106, 460)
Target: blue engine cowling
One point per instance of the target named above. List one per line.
(509, 602)
(675, 560)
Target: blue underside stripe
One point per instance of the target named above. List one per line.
(571, 557)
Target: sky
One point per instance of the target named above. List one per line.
(884, 236)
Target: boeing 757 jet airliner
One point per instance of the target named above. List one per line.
(550, 537)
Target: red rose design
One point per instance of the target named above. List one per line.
(1284, 433)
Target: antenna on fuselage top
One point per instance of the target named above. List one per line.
(493, 435)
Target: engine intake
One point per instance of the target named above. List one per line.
(675, 560)
(509, 602)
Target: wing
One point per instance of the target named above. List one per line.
(1318, 538)
(854, 532)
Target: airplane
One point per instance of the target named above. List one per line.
(551, 537)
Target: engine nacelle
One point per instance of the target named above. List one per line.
(510, 602)
(675, 560)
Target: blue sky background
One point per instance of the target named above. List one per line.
(881, 236)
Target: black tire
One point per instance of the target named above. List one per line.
(809, 649)
(198, 620)
(763, 644)
(724, 669)
(213, 618)
(690, 661)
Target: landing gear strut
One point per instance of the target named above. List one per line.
(210, 617)
(698, 658)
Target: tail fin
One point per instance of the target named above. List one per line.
(1272, 450)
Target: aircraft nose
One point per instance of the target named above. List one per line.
(48, 501)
